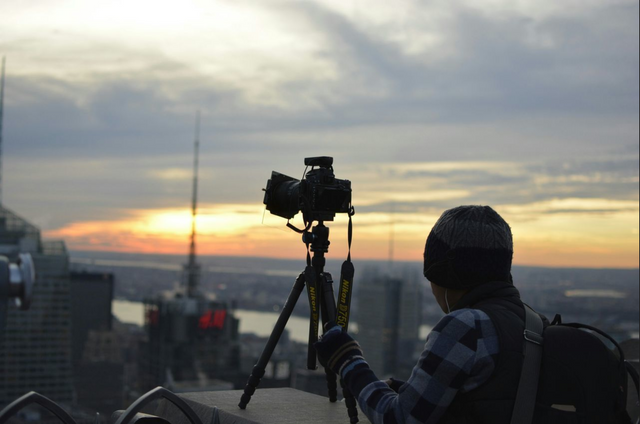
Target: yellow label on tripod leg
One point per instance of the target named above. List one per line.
(312, 291)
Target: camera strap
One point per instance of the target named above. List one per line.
(346, 282)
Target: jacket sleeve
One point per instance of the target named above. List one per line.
(459, 355)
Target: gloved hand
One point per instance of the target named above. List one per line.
(395, 384)
(336, 349)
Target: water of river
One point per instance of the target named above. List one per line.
(260, 323)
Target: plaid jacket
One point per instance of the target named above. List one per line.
(460, 354)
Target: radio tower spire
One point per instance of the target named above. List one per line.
(1, 113)
(192, 268)
(391, 236)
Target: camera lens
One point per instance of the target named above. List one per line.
(286, 198)
(282, 195)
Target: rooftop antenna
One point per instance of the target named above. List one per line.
(192, 268)
(1, 113)
(391, 237)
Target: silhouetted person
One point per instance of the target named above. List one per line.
(470, 367)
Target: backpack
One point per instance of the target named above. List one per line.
(581, 380)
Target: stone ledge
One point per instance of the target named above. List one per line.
(267, 406)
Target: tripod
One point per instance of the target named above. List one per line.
(320, 291)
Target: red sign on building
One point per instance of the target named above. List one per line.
(212, 319)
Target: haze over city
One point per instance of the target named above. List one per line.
(531, 107)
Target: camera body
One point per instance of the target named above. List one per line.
(319, 195)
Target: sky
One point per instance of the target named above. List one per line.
(528, 106)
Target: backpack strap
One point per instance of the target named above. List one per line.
(532, 351)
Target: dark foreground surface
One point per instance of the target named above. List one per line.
(267, 406)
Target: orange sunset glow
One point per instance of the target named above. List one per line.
(544, 235)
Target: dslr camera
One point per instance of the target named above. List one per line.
(319, 195)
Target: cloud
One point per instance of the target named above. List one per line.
(437, 186)
(423, 106)
(172, 174)
(492, 67)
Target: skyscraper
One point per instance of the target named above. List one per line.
(91, 297)
(35, 349)
(388, 317)
(97, 360)
(409, 321)
(189, 340)
(190, 336)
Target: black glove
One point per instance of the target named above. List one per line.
(395, 384)
(336, 349)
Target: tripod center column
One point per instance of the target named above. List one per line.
(319, 245)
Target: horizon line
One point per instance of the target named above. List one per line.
(361, 259)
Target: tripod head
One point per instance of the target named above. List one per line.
(318, 238)
(318, 242)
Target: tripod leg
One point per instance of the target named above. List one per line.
(314, 300)
(258, 370)
(350, 402)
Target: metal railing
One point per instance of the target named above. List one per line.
(129, 416)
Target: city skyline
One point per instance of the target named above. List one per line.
(530, 107)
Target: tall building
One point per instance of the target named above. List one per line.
(97, 360)
(192, 339)
(388, 317)
(99, 375)
(410, 318)
(189, 340)
(35, 349)
(91, 297)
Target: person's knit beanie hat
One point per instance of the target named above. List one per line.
(468, 246)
